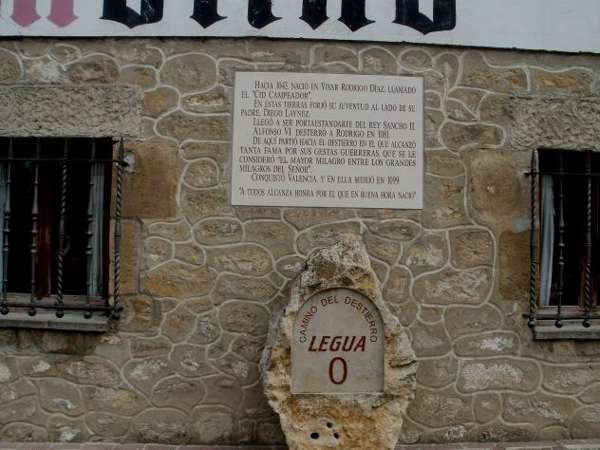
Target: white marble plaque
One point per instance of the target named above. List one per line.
(327, 140)
(337, 347)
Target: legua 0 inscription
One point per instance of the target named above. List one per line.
(337, 347)
(327, 140)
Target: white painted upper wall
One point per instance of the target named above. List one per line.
(554, 25)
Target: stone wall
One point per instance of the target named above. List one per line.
(202, 278)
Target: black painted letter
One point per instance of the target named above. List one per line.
(205, 12)
(117, 10)
(260, 14)
(444, 15)
(354, 14)
(314, 12)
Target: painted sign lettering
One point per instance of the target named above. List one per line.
(492, 23)
(409, 14)
(260, 13)
(61, 12)
(151, 12)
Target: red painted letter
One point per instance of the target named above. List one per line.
(61, 12)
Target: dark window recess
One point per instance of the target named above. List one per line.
(55, 225)
(565, 238)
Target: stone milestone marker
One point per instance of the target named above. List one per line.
(339, 368)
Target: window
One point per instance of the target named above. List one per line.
(565, 243)
(55, 204)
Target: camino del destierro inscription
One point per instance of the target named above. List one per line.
(338, 345)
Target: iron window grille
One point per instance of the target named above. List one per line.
(565, 240)
(56, 201)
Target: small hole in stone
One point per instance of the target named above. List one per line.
(314, 436)
(329, 425)
(336, 435)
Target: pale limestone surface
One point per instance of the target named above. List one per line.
(369, 421)
(462, 309)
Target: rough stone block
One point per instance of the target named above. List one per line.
(130, 257)
(443, 164)
(554, 122)
(426, 254)
(487, 344)
(514, 265)
(10, 70)
(278, 237)
(150, 189)
(471, 248)
(539, 409)
(202, 204)
(218, 231)
(244, 259)
(574, 82)
(141, 314)
(451, 287)
(478, 74)
(162, 426)
(378, 61)
(60, 397)
(178, 280)
(429, 340)
(440, 408)
(244, 317)
(497, 191)
(444, 202)
(58, 111)
(144, 374)
(201, 174)
(463, 320)
(181, 126)
(144, 77)
(498, 374)
(362, 420)
(230, 286)
(437, 372)
(458, 136)
(159, 101)
(94, 69)
(188, 73)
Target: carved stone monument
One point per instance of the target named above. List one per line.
(339, 368)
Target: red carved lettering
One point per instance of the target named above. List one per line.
(348, 344)
(336, 343)
(361, 345)
(342, 379)
(310, 347)
(324, 342)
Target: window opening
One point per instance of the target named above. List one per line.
(55, 197)
(565, 236)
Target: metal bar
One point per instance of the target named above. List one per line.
(117, 307)
(588, 241)
(533, 246)
(552, 316)
(61, 231)
(34, 226)
(561, 242)
(69, 160)
(90, 234)
(565, 174)
(66, 307)
(6, 230)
